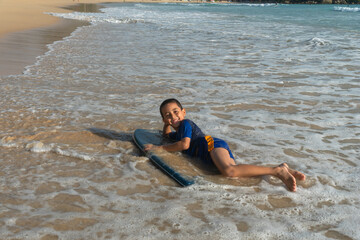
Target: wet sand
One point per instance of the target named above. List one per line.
(26, 29)
(20, 49)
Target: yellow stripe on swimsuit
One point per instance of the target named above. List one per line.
(210, 142)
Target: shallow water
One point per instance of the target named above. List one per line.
(278, 82)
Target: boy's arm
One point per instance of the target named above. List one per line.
(181, 145)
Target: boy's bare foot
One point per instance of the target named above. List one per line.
(282, 172)
(298, 175)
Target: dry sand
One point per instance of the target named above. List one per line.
(25, 29)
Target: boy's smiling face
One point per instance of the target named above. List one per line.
(172, 114)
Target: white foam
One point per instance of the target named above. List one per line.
(259, 4)
(95, 18)
(318, 42)
(38, 147)
(72, 153)
(5, 143)
(347, 9)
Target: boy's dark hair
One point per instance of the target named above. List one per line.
(170, 100)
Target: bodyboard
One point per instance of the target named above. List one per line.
(142, 137)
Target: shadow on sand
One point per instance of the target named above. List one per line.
(112, 135)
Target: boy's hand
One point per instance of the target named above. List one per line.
(149, 147)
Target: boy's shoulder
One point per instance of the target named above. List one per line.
(188, 122)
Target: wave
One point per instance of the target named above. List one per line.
(347, 9)
(96, 18)
(40, 147)
(315, 41)
(142, 13)
(257, 4)
(89, 145)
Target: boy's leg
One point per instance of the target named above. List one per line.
(227, 167)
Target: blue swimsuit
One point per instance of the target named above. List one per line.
(200, 145)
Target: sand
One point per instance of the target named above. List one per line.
(26, 29)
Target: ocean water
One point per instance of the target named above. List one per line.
(280, 83)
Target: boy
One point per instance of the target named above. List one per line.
(192, 141)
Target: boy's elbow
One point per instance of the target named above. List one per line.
(185, 146)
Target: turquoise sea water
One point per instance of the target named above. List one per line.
(280, 83)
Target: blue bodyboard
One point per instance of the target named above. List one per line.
(142, 137)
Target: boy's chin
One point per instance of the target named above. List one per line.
(177, 124)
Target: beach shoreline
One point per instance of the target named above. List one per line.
(26, 29)
(21, 49)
